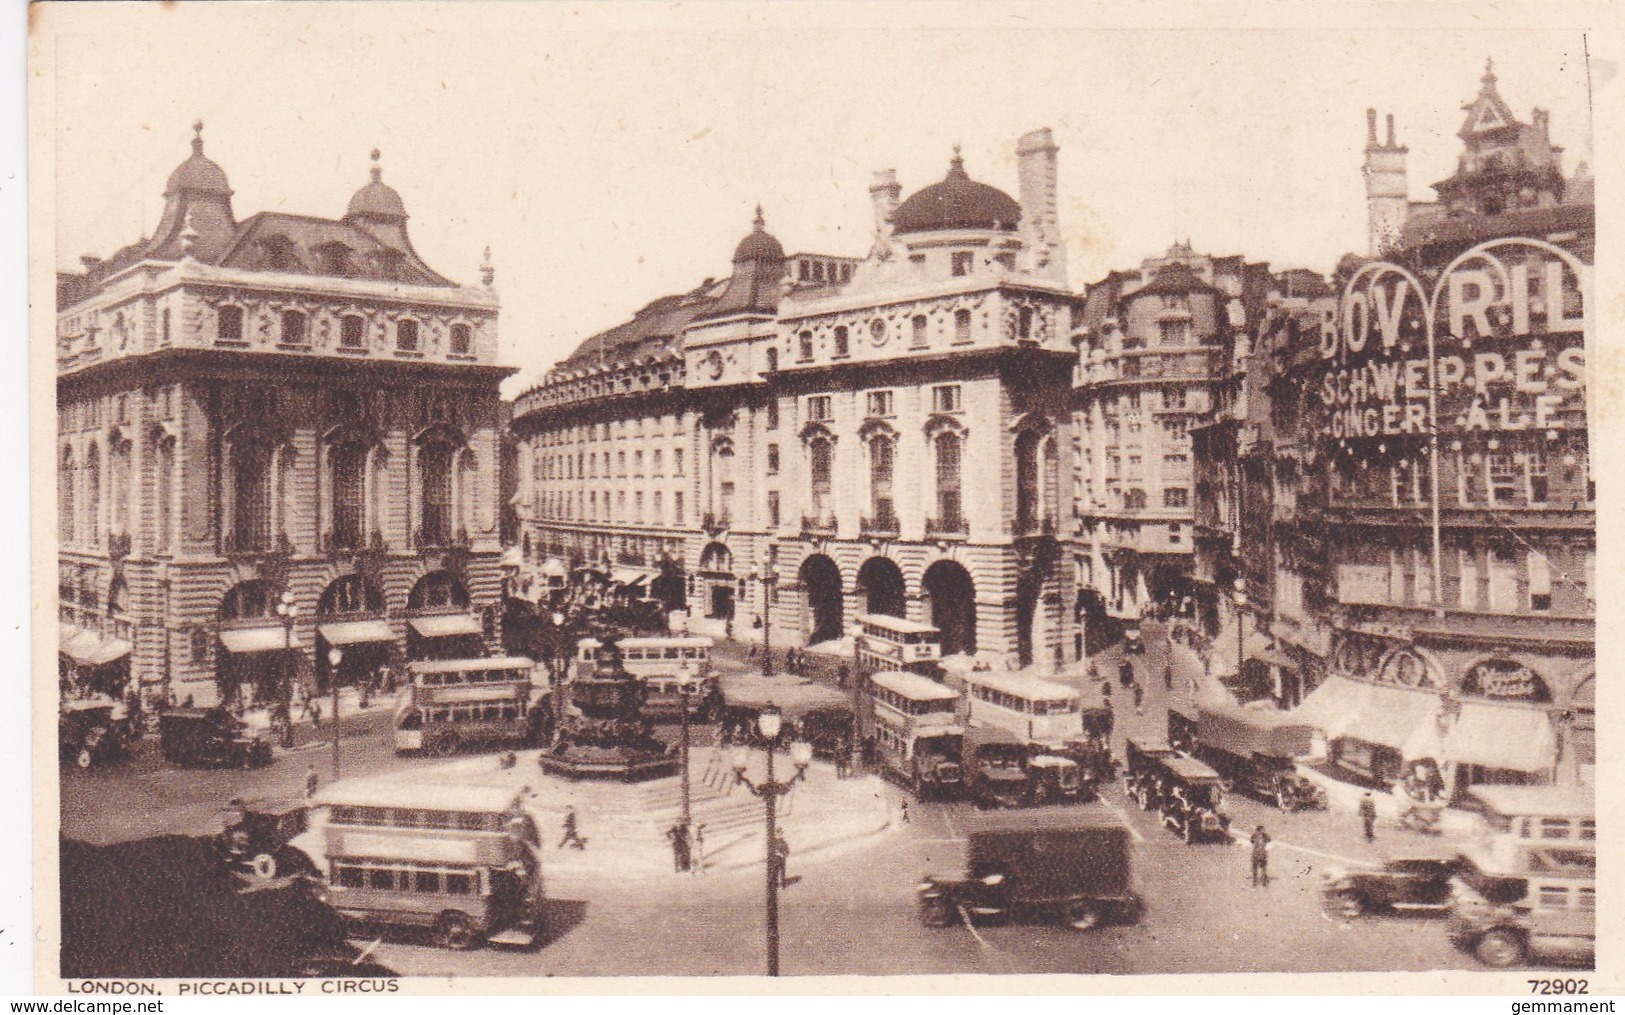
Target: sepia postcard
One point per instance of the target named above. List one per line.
(897, 497)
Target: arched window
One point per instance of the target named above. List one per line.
(882, 457)
(250, 495)
(93, 495)
(66, 476)
(435, 479)
(950, 504)
(163, 519)
(820, 454)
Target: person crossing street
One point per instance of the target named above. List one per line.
(1261, 857)
(1368, 816)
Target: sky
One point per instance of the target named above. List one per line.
(613, 154)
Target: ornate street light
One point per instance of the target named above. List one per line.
(335, 655)
(1241, 605)
(770, 724)
(288, 610)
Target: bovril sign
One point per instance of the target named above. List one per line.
(1508, 336)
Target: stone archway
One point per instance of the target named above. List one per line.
(881, 581)
(821, 580)
(952, 610)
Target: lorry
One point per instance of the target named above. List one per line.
(1071, 865)
(1256, 751)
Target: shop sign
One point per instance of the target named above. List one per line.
(1506, 681)
(1505, 324)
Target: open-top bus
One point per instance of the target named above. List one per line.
(664, 666)
(1038, 711)
(892, 643)
(451, 702)
(460, 860)
(916, 731)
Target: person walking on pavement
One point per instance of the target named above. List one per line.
(678, 834)
(903, 810)
(697, 858)
(1139, 699)
(571, 834)
(1261, 857)
(1168, 675)
(1368, 816)
(312, 780)
(781, 859)
(1125, 673)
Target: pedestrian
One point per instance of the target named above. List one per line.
(842, 760)
(697, 860)
(1368, 816)
(1106, 691)
(781, 859)
(1168, 675)
(1139, 699)
(678, 834)
(1261, 857)
(312, 780)
(1125, 673)
(315, 712)
(842, 676)
(571, 834)
(902, 806)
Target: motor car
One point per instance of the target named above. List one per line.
(210, 737)
(1402, 883)
(90, 734)
(256, 837)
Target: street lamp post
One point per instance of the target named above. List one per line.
(335, 655)
(770, 578)
(561, 661)
(857, 698)
(288, 610)
(682, 711)
(1241, 604)
(769, 723)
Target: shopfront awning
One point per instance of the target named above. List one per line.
(1502, 736)
(446, 625)
(1391, 715)
(245, 640)
(356, 632)
(87, 648)
(513, 556)
(629, 576)
(1333, 706)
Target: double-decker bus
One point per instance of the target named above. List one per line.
(460, 860)
(915, 725)
(892, 643)
(1032, 710)
(664, 666)
(451, 702)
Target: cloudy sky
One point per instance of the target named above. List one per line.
(614, 153)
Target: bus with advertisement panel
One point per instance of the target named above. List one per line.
(671, 669)
(452, 702)
(893, 643)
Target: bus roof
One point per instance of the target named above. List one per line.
(464, 665)
(1536, 801)
(423, 796)
(1022, 686)
(898, 624)
(913, 686)
(678, 641)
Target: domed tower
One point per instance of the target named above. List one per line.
(378, 209)
(196, 198)
(758, 271)
(931, 221)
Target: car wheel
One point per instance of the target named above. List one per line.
(455, 930)
(1499, 949)
(264, 866)
(83, 758)
(1082, 915)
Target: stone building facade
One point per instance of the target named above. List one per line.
(277, 437)
(815, 437)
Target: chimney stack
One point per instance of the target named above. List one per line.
(1040, 228)
(886, 193)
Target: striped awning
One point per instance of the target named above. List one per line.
(247, 640)
(446, 625)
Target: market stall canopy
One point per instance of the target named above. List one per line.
(446, 625)
(246, 640)
(356, 632)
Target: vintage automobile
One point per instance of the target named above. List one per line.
(1401, 883)
(1133, 638)
(90, 733)
(1505, 920)
(936, 768)
(1182, 727)
(255, 841)
(998, 777)
(1192, 804)
(209, 737)
(1052, 779)
(1255, 750)
(1093, 756)
(1144, 777)
(1072, 865)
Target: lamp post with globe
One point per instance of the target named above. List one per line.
(769, 723)
(288, 610)
(335, 655)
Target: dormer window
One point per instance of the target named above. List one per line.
(406, 335)
(462, 340)
(279, 254)
(293, 328)
(962, 262)
(229, 324)
(335, 258)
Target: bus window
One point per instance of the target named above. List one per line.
(426, 881)
(1588, 829)
(347, 876)
(674, 653)
(381, 878)
(459, 884)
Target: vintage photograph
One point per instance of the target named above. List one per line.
(813, 491)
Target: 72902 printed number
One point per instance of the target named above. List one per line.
(1559, 986)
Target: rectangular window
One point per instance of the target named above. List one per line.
(677, 508)
(880, 403)
(1540, 581)
(804, 346)
(961, 327)
(406, 335)
(1176, 534)
(1468, 489)
(637, 507)
(659, 462)
(1173, 398)
(773, 508)
(945, 398)
(1503, 582)
(229, 324)
(773, 414)
(352, 331)
(1534, 466)
(1174, 332)
(1176, 497)
(677, 461)
(1176, 465)
(1501, 477)
(818, 408)
(293, 327)
(620, 504)
(637, 463)
(962, 262)
(843, 345)
(659, 508)
(620, 464)
(919, 327)
(772, 459)
(1176, 430)
(462, 340)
